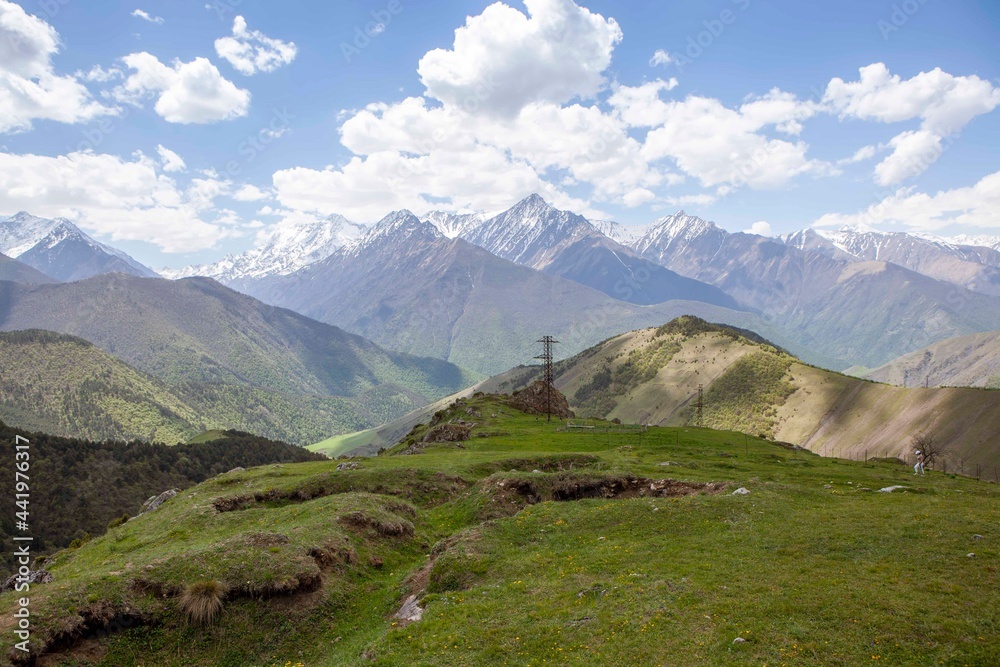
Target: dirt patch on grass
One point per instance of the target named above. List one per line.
(424, 488)
(79, 632)
(331, 555)
(383, 526)
(542, 463)
(509, 493)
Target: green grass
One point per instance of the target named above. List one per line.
(207, 436)
(342, 444)
(814, 567)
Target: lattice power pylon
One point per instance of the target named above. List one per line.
(547, 377)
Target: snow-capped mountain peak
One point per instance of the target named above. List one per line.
(627, 235)
(291, 246)
(981, 241)
(61, 250)
(453, 225)
(679, 226)
(396, 227)
(23, 231)
(528, 232)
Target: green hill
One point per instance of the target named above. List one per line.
(652, 376)
(234, 361)
(77, 487)
(65, 386)
(530, 543)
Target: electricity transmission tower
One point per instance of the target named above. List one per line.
(546, 357)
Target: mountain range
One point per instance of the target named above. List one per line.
(856, 310)
(974, 267)
(564, 244)
(18, 272)
(286, 250)
(408, 287)
(476, 289)
(853, 297)
(58, 249)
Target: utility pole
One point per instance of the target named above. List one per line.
(546, 357)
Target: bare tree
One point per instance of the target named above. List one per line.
(925, 444)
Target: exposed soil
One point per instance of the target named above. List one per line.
(510, 493)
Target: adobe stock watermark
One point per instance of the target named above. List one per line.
(701, 42)
(223, 8)
(93, 137)
(52, 7)
(363, 35)
(899, 17)
(258, 142)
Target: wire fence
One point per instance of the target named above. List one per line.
(948, 465)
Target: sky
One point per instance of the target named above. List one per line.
(182, 131)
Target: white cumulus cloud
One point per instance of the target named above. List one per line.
(760, 228)
(170, 160)
(29, 87)
(912, 153)
(193, 92)
(660, 58)
(727, 147)
(972, 207)
(250, 193)
(145, 16)
(251, 51)
(943, 103)
(555, 54)
(125, 199)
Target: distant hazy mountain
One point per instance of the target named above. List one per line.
(60, 250)
(15, 271)
(976, 268)
(981, 241)
(222, 348)
(866, 312)
(287, 249)
(408, 287)
(966, 361)
(560, 243)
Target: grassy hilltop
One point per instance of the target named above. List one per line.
(652, 376)
(531, 544)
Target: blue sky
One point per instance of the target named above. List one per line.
(735, 119)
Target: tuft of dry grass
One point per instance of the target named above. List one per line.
(202, 601)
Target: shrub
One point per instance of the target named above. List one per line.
(202, 601)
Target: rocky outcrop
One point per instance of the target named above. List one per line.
(154, 502)
(532, 399)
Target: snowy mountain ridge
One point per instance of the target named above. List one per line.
(62, 250)
(285, 250)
